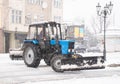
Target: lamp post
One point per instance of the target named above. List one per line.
(106, 11)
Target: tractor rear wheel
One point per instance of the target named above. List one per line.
(56, 63)
(31, 56)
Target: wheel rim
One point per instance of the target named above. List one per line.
(57, 64)
(29, 55)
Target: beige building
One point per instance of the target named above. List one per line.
(16, 15)
(112, 40)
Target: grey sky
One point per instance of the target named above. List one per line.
(86, 9)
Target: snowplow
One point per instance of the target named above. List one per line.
(45, 41)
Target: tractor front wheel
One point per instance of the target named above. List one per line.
(56, 63)
(31, 56)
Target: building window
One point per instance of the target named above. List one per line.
(38, 2)
(13, 16)
(57, 18)
(30, 1)
(28, 20)
(57, 3)
(42, 18)
(16, 16)
(19, 17)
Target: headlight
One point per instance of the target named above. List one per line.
(70, 50)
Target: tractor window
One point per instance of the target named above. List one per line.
(32, 33)
(55, 31)
(58, 32)
(40, 33)
(51, 32)
(47, 33)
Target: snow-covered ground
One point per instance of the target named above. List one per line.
(101, 80)
(15, 72)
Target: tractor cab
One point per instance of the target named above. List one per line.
(44, 31)
(49, 35)
(44, 34)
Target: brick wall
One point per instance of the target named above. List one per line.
(1, 42)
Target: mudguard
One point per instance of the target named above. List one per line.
(32, 41)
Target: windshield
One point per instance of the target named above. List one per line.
(35, 32)
(31, 33)
(54, 32)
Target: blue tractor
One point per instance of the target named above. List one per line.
(44, 41)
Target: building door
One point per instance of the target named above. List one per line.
(7, 42)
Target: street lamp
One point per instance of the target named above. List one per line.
(106, 11)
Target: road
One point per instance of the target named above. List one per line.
(15, 72)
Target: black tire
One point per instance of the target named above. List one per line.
(31, 56)
(56, 63)
(11, 57)
(47, 58)
(47, 61)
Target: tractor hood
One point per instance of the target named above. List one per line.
(66, 45)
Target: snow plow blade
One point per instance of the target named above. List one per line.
(83, 63)
(16, 54)
(84, 68)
